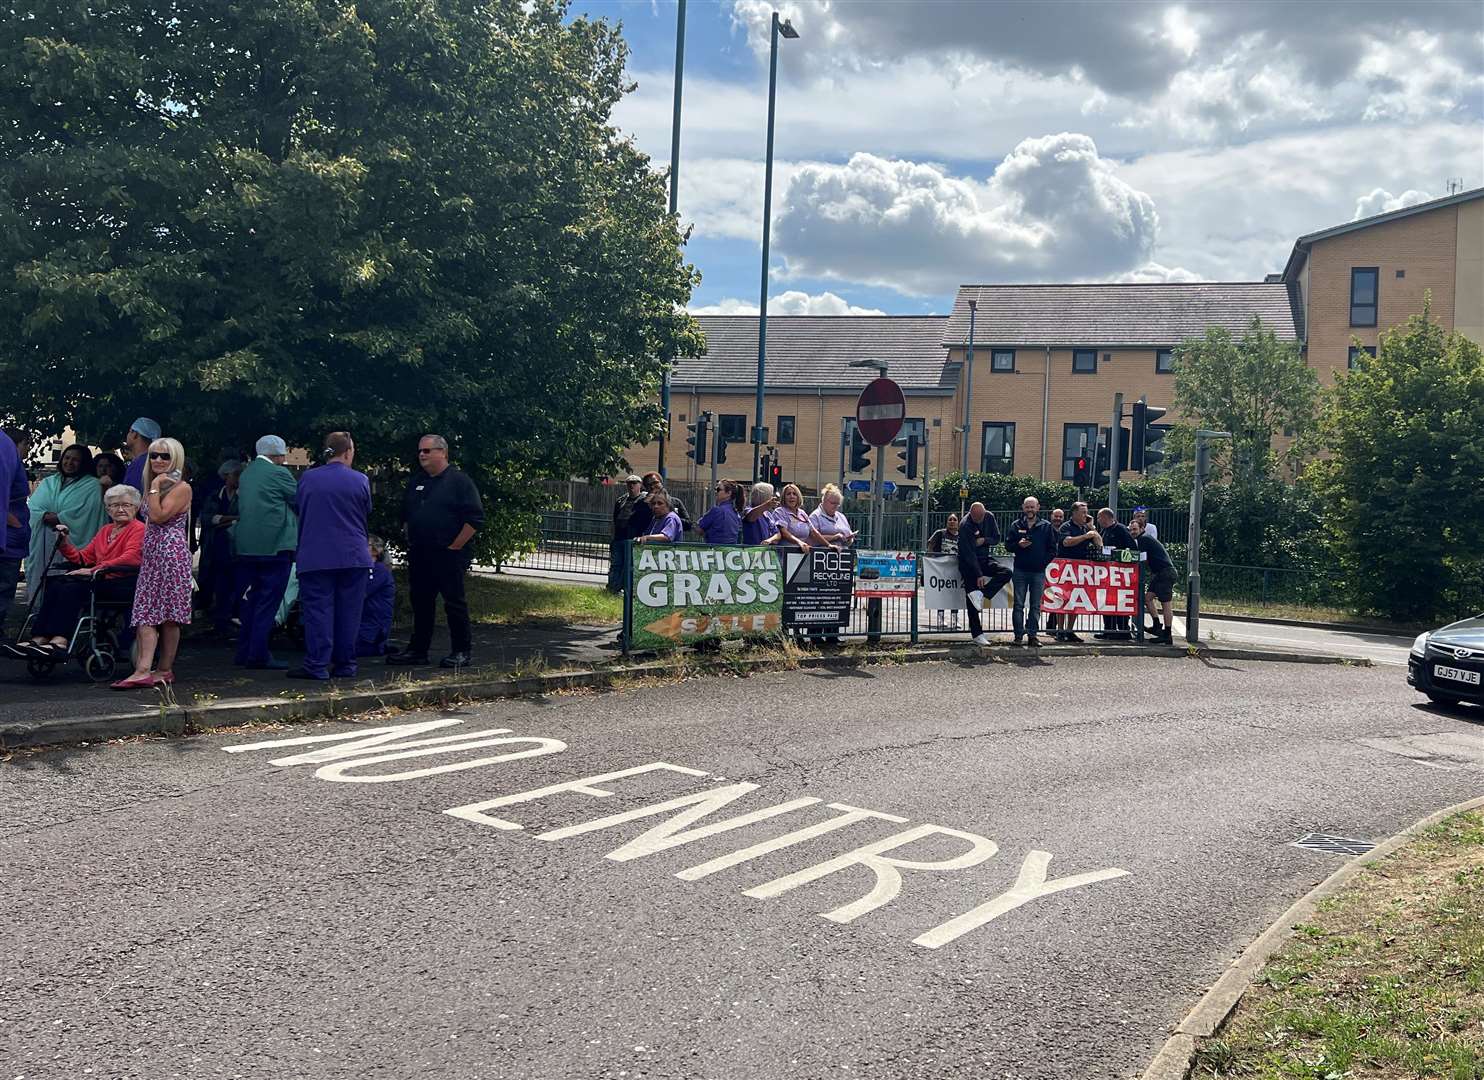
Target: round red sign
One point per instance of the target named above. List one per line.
(880, 411)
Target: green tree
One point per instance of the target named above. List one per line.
(1404, 436)
(1255, 387)
(392, 216)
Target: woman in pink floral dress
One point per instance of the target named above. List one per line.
(162, 598)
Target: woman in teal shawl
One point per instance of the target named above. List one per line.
(70, 496)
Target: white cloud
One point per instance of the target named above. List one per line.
(1381, 201)
(792, 302)
(1052, 210)
(1154, 272)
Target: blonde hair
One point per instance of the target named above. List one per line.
(828, 490)
(659, 493)
(177, 453)
(783, 495)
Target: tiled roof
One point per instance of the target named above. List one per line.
(1107, 316)
(1303, 243)
(809, 351)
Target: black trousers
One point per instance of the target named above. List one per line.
(66, 598)
(999, 577)
(431, 573)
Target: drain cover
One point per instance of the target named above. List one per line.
(1332, 845)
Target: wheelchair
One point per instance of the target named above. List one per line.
(100, 638)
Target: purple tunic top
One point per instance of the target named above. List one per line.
(830, 527)
(755, 532)
(721, 524)
(334, 503)
(669, 525)
(793, 522)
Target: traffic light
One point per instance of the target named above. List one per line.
(720, 456)
(696, 440)
(860, 452)
(773, 474)
(1100, 462)
(908, 458)
(1144, 448)
(1082, 471)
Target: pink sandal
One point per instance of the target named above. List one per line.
(133, 684)
(166, 677)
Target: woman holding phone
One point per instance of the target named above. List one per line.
(162, 598)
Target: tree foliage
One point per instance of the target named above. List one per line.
(395, 217)
(1404, 436)
(1255, 387)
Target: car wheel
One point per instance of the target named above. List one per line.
(1442, 699)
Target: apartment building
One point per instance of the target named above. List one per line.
(1048, 359)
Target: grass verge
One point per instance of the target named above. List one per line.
(1385, 983)
(499, 601)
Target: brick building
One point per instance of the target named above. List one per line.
(1049, 358)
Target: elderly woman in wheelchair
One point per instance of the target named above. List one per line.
(103, 576)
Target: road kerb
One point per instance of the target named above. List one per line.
(180, 719)
(1174, 1060)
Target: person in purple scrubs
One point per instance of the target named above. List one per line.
(142, 432)
(333, 556)
(722, 524)
(758, 526)
(793, 522)
(829, 521)
(666, 527)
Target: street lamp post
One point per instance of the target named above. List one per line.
(785, 28)
(968, 388)
(674, 201)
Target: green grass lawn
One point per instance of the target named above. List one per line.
(1385, 983)
(501, 600)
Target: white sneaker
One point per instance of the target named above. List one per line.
(977, 599)
(981, 639)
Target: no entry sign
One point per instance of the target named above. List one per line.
(880, 411)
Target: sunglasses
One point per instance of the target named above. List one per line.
(428, 449)
(159, 455)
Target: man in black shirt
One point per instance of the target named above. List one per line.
(1159, 578)
(1079, 540)
(442, 512)
(623, 512)
(983, 576)
(1116, 540)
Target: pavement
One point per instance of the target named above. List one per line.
(1047, 863)
(1390, 649)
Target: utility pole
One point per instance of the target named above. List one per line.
(674, 202)
(1203, 440)
(1115, 439)
(927, 482)
(969, 387)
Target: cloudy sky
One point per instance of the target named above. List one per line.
(922, 144)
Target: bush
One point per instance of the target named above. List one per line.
(1000, 492)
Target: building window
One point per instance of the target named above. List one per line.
(1364, 284)
(1084, 361)
(997, 454)
(1077, 440)
(1002, 360)
(1164, 361)
(785, 430)
(1355, 354)
(732, 427)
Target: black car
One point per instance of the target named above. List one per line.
(1448, 664)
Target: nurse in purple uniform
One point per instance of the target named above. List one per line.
(334, 504)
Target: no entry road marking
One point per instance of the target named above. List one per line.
(348, 757)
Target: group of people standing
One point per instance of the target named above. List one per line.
(741, 513)
(125, 533)
(1033, 542)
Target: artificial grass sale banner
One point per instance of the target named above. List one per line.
(684, 592)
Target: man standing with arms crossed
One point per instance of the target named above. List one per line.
(1033, 543)
(442, 513)
(334, 555)
(983, 577)
(1079, 540)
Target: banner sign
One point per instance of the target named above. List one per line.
(1082, 587)
(943, 587)
(684, 592)
(885, 573)
(817, 587)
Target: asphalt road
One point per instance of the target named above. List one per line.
(176, 910)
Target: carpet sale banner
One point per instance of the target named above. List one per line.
(1081, 587)
(682, 593)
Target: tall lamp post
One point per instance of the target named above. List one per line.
(674, 201)
(784, 28)
(969, 388)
